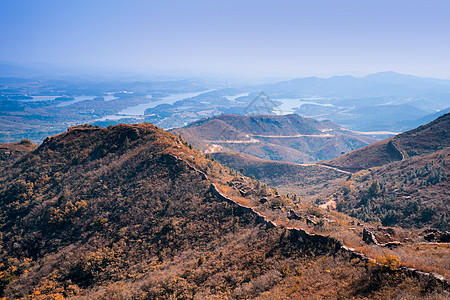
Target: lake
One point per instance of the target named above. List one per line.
(138, 110)
(288, 105)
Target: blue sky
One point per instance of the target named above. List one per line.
(241, 38)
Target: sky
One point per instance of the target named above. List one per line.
(241, 38)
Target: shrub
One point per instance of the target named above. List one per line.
(25, 142)
(385, 263)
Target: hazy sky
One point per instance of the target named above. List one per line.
(245, 37)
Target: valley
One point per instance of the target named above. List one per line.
(405, 184)
(276, 137)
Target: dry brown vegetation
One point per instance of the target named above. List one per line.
(290, 138)
(423, 140)
(133, 212)
(412, 193)
(311, 183)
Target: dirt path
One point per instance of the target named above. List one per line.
(327, 167)
(333, 168)
(213, 149)
(375, 132)
(251, 141)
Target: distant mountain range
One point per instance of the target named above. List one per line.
(289, 138)
(381, 101)
(427, 119)
(385, 101)
(373, 85)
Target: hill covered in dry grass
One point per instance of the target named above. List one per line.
(425, 139)
(412, 193)
(289, 138)
(133, 212)
(402, 181)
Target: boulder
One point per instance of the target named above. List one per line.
(369, 237)
(293, 215)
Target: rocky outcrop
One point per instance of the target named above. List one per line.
(293, 215)
(369, 237)
(393, 244)
(437, 236)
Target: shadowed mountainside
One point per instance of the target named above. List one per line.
(410, 193)
(401, 181)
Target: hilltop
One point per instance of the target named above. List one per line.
(131, 211)
(425, 139)
(290, 138)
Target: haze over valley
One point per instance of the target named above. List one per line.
(224, 150)
(380, 104)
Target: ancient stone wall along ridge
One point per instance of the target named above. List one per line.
(301, 237)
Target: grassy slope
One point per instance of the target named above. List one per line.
(425, 139)
(309, 182)
(127, 211)
(273, 137)
(410, 176)
(411, 193)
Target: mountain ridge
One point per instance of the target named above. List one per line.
(422, 140)
(95, 209)
(289, 138)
